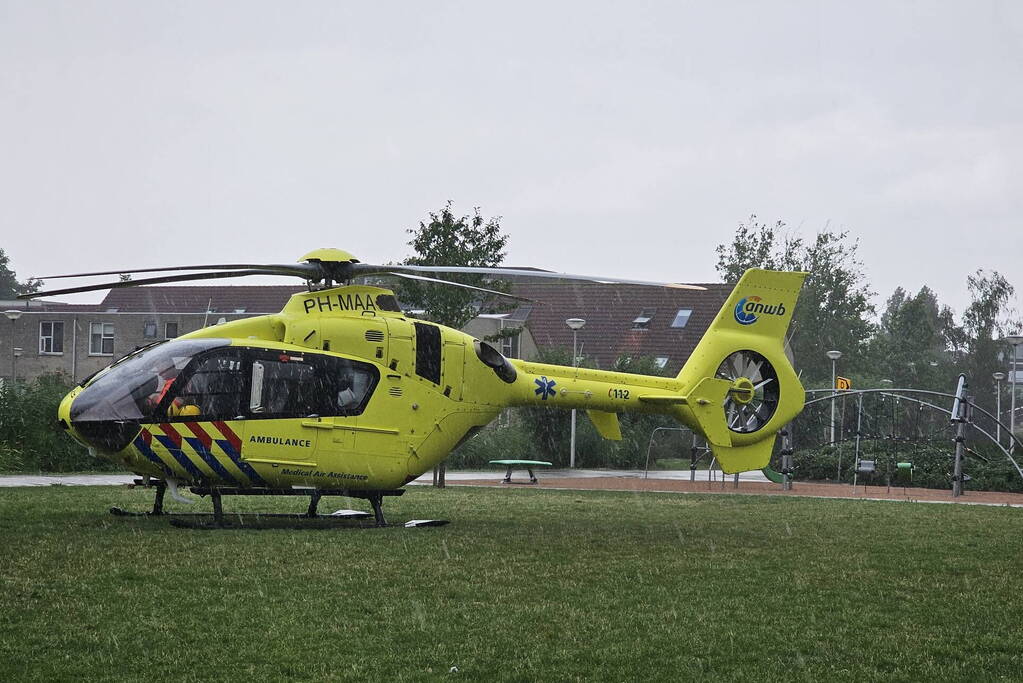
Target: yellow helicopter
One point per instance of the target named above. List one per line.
(341, 393)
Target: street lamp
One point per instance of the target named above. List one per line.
(999, 376)
(1014, 341)
(14, 368)
(575, 324)
(834, 356)
(12, 315)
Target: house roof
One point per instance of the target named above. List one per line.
(613, 315)
(47, 306)
(254, 299)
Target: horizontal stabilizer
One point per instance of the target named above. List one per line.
(606, 423)
(756, 456)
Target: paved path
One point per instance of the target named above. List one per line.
(462, 475)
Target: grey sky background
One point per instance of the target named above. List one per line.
(626, 139)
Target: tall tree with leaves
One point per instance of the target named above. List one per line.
(917, 342)
(986, 320)
(10, 288)
(449, 240)
(834, 306)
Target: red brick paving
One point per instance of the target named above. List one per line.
(761, 488)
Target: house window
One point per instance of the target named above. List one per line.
(170, 330)
(642, 321)
(681, 318)
(101, 339)
(510, 346)
(51, 337)
(149, 329)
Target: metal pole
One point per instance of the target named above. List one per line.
(692, 459)
(74, 347)
(1012, 402)
(13, 344)
(833, 395)
(786, 460)
(859, 428)
(998, 410)
(575, 362)
(959, 417)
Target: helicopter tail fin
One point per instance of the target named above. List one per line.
(739, 385)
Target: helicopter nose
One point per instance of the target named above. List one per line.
(106, 436)
(110, 436)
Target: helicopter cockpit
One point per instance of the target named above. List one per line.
(208, 380)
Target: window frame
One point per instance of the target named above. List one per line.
(189, 371)
(102, 338)
(51, 337)
(678, 314)
(641, 322)
(510, 345)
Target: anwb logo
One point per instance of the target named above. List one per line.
(748, 310)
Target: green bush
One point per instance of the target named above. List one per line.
(933, 464)
(30, 438)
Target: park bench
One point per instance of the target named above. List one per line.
(528, 465)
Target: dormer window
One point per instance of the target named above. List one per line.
(642, 321)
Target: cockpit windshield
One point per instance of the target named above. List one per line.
(134, 387)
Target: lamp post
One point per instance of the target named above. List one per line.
(1014, 341)
(999, 376)
(834, 356)
(14, 368)
(12, 315)
(575, 324)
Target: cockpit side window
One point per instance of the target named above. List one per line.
(211, 388)
(292, 385)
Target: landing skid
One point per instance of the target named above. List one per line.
(252, 520)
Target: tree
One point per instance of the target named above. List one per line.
(10, 288)
(986, 320)
(916, 343)
(834, 305)
(445, 240)
(448, 240)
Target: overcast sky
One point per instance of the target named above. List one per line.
(625, 139)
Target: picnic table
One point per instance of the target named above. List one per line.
(528, 465)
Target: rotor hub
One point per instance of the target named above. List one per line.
(328, 256)
(743, 390)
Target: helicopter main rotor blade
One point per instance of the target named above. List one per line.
(367, 269)
(409, 276)
(299, 269)
(151, 281)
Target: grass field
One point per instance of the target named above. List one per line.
(525, 584)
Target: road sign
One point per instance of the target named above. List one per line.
(843, 383)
